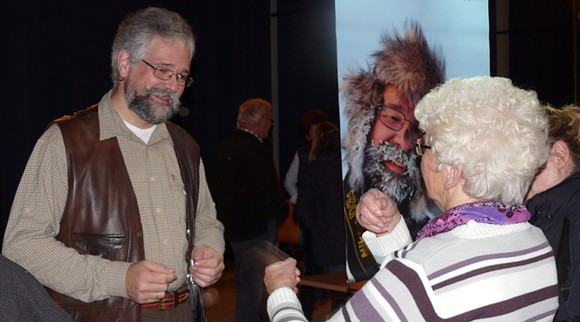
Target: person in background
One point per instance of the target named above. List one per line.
(318, 209)
(23, 298)
(249, 201)
(480, 258)
(381, 133)
(554, 202)
(309, 118)
(114, 198)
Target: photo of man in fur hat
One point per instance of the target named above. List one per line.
(382, 131)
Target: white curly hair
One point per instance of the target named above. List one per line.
(495, 131)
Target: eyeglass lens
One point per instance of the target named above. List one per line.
(421, 146)
(391, 118)
(166, 74)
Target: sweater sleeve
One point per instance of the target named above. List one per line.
(283, 305)
(291, 179)
(382, 246)
(380, 299)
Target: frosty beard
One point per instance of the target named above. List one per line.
(377, 175)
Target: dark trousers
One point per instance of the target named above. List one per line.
(249, 265)
(309, 295)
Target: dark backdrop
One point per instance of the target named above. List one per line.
(55, 60)
(543, 37)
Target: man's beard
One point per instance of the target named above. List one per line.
(377, 175)
(148, 110)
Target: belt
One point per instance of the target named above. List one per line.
(171, 300)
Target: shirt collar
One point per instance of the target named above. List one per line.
(254, 134)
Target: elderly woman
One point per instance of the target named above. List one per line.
(554, 203)
(480, 259)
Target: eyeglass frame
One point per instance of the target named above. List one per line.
(178, 76)
(382, 107)
(420, 146)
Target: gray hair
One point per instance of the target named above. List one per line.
(252, 111)
(137, 30)
(494, 131)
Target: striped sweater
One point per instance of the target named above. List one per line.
(474, 272)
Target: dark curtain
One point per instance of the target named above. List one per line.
(542, 48)
(307, 68)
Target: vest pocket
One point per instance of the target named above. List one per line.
(102, 245)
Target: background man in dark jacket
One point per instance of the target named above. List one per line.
(248, 201)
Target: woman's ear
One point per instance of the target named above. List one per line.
(561, 152)
(453, 176)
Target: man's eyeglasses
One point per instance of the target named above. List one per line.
(421, 146)
(392, 118)
(165, 74)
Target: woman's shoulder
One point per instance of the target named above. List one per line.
(473, 240)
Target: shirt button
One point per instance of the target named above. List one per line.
(27, 210)
(153, 179)
(158, 210)
(165, 242)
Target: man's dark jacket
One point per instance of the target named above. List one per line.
(245, 187)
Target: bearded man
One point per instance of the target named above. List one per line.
(382, 132)
(114, 198)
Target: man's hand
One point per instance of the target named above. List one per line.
(377, 212)
(208, 265)
(147, 281)
(282, 274)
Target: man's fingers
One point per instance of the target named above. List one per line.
(207, 275)
(159, 295)
(205, 280)
(204, 252)
(207, 262)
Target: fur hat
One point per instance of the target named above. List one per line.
(405, 61)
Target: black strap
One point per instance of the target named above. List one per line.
(361, 262)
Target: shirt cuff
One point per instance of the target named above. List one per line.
(282, 299)
(382, 246)
(115, 275)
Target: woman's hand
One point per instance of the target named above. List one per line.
(282, 274)
(377, 212)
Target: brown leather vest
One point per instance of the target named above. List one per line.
(101, 216)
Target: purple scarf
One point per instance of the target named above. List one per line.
(488, 212)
